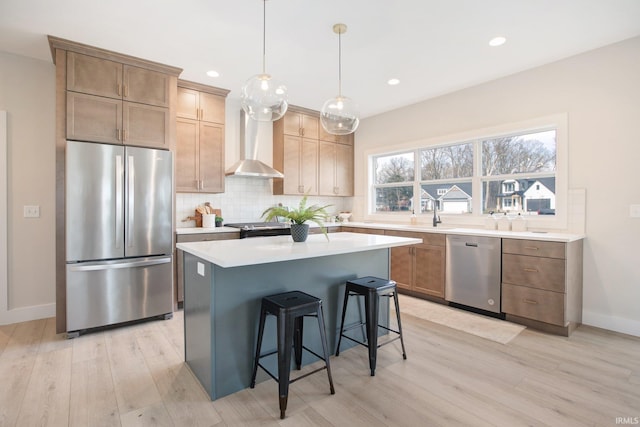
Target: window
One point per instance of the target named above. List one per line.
(394, 175)
(520, 164)
(510, 171)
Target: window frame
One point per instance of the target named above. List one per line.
(557, 122)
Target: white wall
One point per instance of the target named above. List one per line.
(600, 92)
(27, 93)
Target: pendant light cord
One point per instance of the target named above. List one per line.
(340, 64)
(264, 36)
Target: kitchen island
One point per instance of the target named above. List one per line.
(226, 280)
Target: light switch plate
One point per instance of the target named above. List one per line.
(634, 211)
(31, 211)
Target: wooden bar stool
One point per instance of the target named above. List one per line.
(290, 308)
(371, 288)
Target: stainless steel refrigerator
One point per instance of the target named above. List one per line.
(118, 234)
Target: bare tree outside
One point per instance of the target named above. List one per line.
(452, 161)
(515, 155)
(394, 169)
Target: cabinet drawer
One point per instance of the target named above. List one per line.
(536, 272)
(200, 237)
(432, 239)
(534, 248)
(363, 230)
(536, 304)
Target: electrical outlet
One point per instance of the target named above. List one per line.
(32, 211)
(634, 211)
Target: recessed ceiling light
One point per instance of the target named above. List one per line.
(213, 73)
(393, 82)
(497, 41)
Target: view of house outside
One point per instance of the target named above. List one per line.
(516, 174)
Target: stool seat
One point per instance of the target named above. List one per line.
(371, 284)
(290, 308)
(371, 288)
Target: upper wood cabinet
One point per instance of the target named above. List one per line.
(335, 169)
(295, 152)
(200, 138)
(204, 106)
(341, 139)
(102, 77)
(116, 99)
(311, 164)
(304, 124)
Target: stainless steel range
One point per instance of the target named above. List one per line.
(261, 229)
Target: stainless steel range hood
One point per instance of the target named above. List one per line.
(249, 165)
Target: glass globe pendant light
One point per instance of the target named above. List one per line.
(264, 98)
(339, 115)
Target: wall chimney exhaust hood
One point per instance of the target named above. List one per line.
(248, 164)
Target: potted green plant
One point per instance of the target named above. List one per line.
(219, 220)
(298, 218)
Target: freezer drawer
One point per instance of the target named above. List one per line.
(109, 292)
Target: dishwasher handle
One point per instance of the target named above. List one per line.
(473, 245)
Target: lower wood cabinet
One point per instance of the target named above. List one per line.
(179, 264)
(542, 284)
(419, 269)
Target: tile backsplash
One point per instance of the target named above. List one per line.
(245, 199)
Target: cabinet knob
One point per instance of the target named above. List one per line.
(530, 270)
(531, 248)
(529, 301)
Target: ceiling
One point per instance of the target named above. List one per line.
(432, 46)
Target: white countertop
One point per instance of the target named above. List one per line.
(262, 250)
(527, 235)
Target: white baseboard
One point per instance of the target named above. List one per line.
(612, 323)
(24, 314)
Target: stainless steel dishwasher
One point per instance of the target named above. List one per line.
(473, 271)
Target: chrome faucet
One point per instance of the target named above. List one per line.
(436, 218)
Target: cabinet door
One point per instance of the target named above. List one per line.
(211, 108)
(291, 156)
(94, 118)
(402, 266)
(187, 133)
(327, 169)
(429, 270)
(292, 124)
(145, 125)
(310, 125)
(309, 166)
(211, 147)
(188, 104)
(344, 170)
(94, 76)
(146, 86)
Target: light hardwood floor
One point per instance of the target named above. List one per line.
(135, 376)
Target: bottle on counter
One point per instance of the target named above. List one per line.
(504, 223)
(519, 223)
(491, 222)
(414, 218)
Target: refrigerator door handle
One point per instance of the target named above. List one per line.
(130, 200)
(131, 264)
(118, 199)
